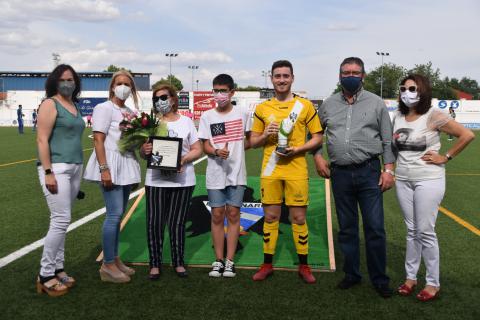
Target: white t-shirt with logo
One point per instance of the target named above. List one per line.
(221, 128)
(185, 129)
(413, 139)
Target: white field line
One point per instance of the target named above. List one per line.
(39, 243)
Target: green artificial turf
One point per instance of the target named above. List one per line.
(198, 245)
(24, 219)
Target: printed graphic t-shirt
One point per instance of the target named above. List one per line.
(220, 129)
(413, 139)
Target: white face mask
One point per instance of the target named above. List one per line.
(410, 99)
(122, 92)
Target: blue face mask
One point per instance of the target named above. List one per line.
(352, 84)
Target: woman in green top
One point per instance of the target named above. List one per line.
(59, 141)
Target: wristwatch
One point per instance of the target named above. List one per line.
(390, 172)
(449, 157)
(48, 171)
(215, 152)
(103, 167)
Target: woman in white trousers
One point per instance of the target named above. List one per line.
(59, 140)
(420, 177)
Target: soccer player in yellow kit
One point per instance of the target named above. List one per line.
(285, 175)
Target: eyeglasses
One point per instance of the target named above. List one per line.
(409, 88)
(163, 97)
(220, 90)
(351, 73)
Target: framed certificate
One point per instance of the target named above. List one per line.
(166, 153)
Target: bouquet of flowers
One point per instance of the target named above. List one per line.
(137, 128)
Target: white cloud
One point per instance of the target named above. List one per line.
(101, 45)
(17, 12)
(14, 40)
(20, 41)
(204, 56)
(102, 55)
(29, 26)
(243, 75)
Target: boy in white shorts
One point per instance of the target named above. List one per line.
(223, 131)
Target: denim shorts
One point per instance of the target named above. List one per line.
(231, 195)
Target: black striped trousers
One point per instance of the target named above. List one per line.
(167, 206)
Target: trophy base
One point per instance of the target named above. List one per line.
(281, 150)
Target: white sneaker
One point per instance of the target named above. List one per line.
(229, 271)
(217, 269)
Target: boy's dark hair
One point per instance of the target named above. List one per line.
(224, 80)
(282, 63)
(51, 85)
(353, 60)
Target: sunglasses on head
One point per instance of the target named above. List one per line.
(409, 88)
(163, 97)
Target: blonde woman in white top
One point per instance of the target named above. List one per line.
(115, 172)
(420, 177)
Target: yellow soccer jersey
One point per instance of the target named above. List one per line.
(291, 168)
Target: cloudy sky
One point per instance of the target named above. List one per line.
(240, 37)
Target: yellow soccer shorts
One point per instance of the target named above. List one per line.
(295, 192)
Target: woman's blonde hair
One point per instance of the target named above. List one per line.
(111, 93)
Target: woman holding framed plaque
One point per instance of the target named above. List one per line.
(169, 187)
(116, 172)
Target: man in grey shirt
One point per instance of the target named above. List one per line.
(359, 130)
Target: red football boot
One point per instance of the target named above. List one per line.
(266, 270)
(305, 273)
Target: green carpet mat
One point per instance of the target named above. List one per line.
(199, 250)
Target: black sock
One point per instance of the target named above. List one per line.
(45, 279)
(303, 258)
(267, 258)
(59, 271)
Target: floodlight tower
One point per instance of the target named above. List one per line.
(171, 55)
(382, 54)
(193, 70)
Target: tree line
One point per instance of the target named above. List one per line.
(392, 75)
(441, 88)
